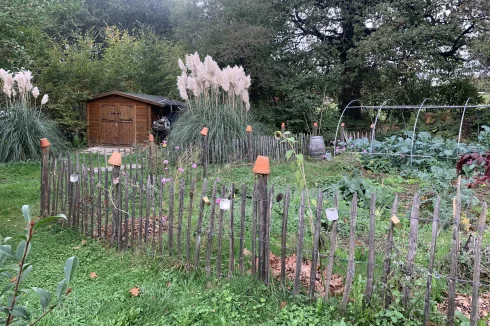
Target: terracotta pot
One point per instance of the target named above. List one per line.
(204, 131)
(151, 138)
(342, 124)
(315, 124)
(283, 125)
(249, 128)
(44, 142)
(115, 159)
(262, 165)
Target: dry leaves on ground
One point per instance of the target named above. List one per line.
(135, 291)
(463, 304)
(93, 275)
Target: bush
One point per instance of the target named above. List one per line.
(20, 130)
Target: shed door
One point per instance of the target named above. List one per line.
(108, 121)
(126, 125)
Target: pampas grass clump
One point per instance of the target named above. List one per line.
(216, 98)
(22, 122)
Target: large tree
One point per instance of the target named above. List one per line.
(394, 48)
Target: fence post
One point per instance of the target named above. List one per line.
(333, 246)
(249, 145)
(372, 132)
(342, 132)
(151, 163)
(412, 249)
(451, 303)
(351, 263)
(116, 161)
(262, 170)
(45, 145)
(476, 267)
(205, 151)
(370, 268)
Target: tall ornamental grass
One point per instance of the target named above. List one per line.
(216, 98)
(22, 121)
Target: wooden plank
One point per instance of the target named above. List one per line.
(435, 221)
(299, 247)
(99, 198)
(451, 302)
(284, 232)
(386, 295)
(231, 255)
(476, 266)
(209, 243)
(106, 197)
(412, 249)
(116, 209)
(141, 219)
(127, 186)
(316, 240)
(199, 221)
(92, 196)
(220, 235)
(171, 216)
(333, 246)
(148, 207)
(189, 219)
(351, 263)
(267, 236)
(179, 218)
(132, 178)
(262, 210)
(242, 228)
(160, 217)
(368, 293)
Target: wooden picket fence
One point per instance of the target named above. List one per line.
(132, 208)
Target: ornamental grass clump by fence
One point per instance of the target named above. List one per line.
(22, 120)
(216, 98)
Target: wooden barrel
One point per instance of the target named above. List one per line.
(317, 147)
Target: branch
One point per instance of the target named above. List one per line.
(457, 45)
(301, 24)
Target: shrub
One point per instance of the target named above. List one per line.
(22, 122)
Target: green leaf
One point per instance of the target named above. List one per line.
(46, 220)
(21, 237)
(25, 272)
(61, 288)
(300, 158)
(6, 250)
(289, 154)
(27, 213)
(11, 267)
(71, 265)
(44, 296)
(7, 288)
(20, 312)
(20, 250)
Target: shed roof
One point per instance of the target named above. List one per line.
(150, 99)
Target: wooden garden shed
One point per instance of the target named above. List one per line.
(120, 118)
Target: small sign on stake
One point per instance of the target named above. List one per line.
(332, 214)
(396, 221)
(73, 177)
(225, 204)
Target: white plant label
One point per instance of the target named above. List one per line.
(332, 214)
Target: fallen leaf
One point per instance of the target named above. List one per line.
(246, 252)
(135, 291)
(283, 304)
(76, 248)
(84, 242)
(93, 275)
(13, 279)
(169, 284)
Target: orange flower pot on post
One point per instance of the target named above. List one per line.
(372, 132)
(45, 146)
(249, 145)
(342, 132)
(283, 127)
(262, 169)
(315, 129)
(205, 151)
(116, 161)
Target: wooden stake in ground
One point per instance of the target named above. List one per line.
(370, 267)
(284, 236)
(45, 145)
(205, 150)
(333, 245)
(249, 145)
(209, 244)
(299, 247)
(116, 161)
(199, 222)
(151, 158)
(412, 249)
(242, 227)
(451, 302)
(262, 171)
(387, 262)
(435, 221)
(231, 259)
(476, 266)
(316, 239)
(351, 264)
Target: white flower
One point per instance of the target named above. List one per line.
(45, 99)
(35, 92)
(182, 85)
(182, 65)
(3, 73)
(8, 83)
